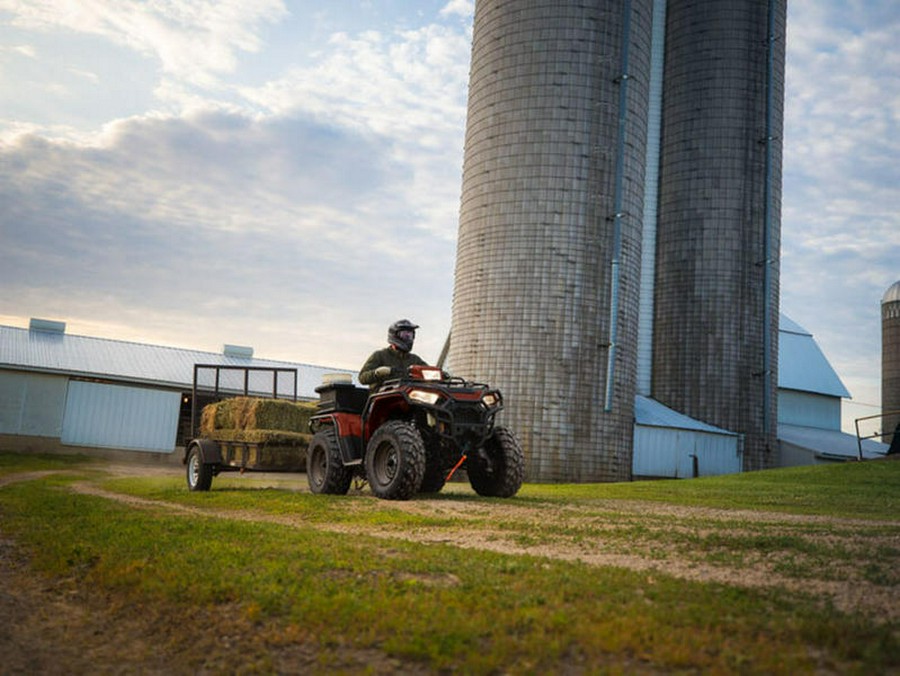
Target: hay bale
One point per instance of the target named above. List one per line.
(263, 437)
(251, 413)
(307, 409)
(208, 420)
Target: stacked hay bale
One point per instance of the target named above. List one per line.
(259, 433)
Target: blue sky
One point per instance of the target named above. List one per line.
(286, 175)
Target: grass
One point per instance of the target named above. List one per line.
(867, 490)
(443, 607)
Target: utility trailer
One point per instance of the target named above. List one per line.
(250, 426)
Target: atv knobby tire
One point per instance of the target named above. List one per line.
(503, 474)
(325, 470)
(395, 460)
(435, 474)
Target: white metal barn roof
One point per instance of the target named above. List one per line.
(830, 444)
(53, 351)
(651, 413)
(802, 365)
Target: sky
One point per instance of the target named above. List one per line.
(286, 175)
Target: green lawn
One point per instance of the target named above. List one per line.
(267, 561)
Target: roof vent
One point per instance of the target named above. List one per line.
(237, 351)
(46, 325)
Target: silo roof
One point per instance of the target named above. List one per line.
(802, 365)
(892, 295)
(118, 360)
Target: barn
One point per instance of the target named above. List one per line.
(672, 445)
(809, 405)
(68, 393)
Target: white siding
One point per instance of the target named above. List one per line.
(669, 452)
(31, 404)
(809, 409)
(116, 416)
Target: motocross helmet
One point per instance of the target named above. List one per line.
(401, 334)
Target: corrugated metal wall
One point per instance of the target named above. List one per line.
(809, 409)
(117, 416)
(31, 404)
(667, 452)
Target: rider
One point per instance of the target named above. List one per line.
(394, 360)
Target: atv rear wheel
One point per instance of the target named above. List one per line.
(503, 473)
(395, 460)
(325, 470)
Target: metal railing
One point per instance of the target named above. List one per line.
(880, 433)
(218, 389)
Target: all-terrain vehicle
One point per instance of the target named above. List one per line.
(410, 435)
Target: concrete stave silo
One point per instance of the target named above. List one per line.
(549, 286)
(890, 360)
(716, 285)
(546, 293)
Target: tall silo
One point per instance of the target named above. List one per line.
(890, 359)
(546, 288)
(718, 232)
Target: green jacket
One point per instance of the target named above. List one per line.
(397, 360)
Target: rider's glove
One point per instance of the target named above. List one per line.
(382, 371)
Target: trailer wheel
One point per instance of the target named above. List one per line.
(503, 472)
(199, 474)
(325, 470)
(395, 460)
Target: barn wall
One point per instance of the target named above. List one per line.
(809, 409)
(669, 452)
(117, 416)
(31, 404)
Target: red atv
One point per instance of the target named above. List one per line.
(410, 435)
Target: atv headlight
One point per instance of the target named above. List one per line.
(490, 400)
(431, 374)
(424, 397)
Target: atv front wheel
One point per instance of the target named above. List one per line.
(395, 460)
(435, 475)
(325, 470)
(503, 472)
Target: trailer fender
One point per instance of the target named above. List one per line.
(209, 451)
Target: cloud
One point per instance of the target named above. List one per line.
(464, 8)
(841, 209)
(301, 218)
(27, 51)
(410, 87)
(216, 216)
(195, 40)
